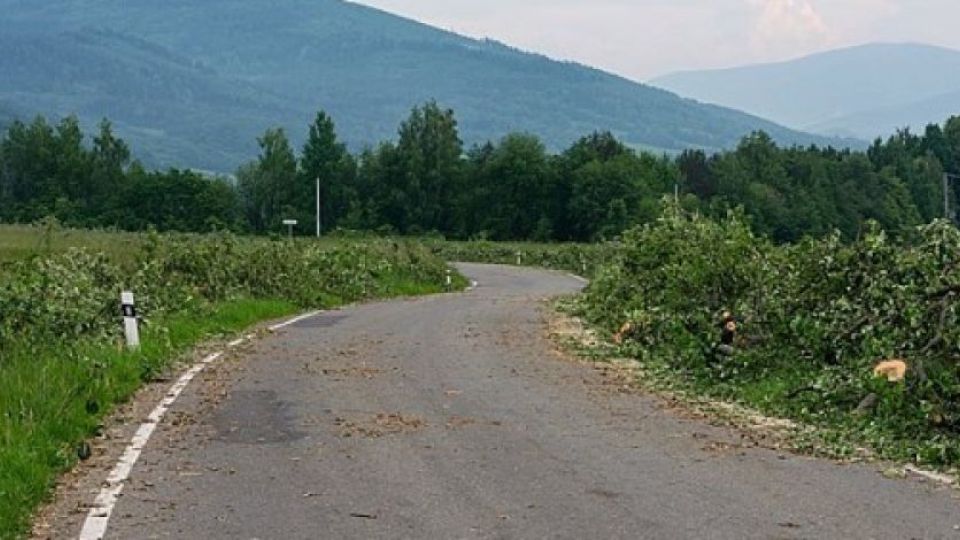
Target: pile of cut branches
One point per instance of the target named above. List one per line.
(813, 320)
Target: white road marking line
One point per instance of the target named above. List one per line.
(95, 526)
(578, 278)
(294, 320)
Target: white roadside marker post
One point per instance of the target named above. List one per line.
(449, 279)
(518, 258)
(130, 328)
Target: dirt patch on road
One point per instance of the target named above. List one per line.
(381, 425)
(459, 422)
(340, 373)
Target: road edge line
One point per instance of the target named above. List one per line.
(294, 320)
(98, 518)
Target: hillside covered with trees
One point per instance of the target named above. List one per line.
(190, 87)
(428, 181)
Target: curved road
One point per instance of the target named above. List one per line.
(453, 417)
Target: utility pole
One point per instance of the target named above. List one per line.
(319, 228)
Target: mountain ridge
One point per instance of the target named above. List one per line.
(364, 66)
(821, 89)
(800, 57)
(901, 116)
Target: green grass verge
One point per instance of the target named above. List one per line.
(53, 396)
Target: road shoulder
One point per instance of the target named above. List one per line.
(578, 343)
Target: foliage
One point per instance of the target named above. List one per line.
(814, 318)
(512, 189)
(611, 188)
(268, 187)
(412, 187)
(326, 159)
(49, 171)
(74, 294)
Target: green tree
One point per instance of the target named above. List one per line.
(951, 157)
(383, 196)
(517, 181)
(429, 160)
(603, 194)
(78, 202)
(476, 194)
(269, 185)
(696, 175)
(111, 156)
(326, 158)
(30, 177)
(598, 147)
(609, 196)
(754, 176)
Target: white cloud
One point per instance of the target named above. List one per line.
(788, 25)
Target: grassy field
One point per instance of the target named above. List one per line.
(22, 241)
(581, 259)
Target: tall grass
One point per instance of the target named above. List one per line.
(18, 242)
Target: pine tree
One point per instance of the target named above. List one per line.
(326, 159)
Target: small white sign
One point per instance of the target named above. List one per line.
(290, 222)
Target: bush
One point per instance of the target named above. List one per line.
(76, 293)
(814, 318)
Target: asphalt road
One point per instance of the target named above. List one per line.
(454, 417)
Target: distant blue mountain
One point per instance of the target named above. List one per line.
(6, 116)
(193, 83)
(863, 91)
(882, 121)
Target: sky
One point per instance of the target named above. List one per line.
(641, 39)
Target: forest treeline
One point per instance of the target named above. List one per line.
(426, 182)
